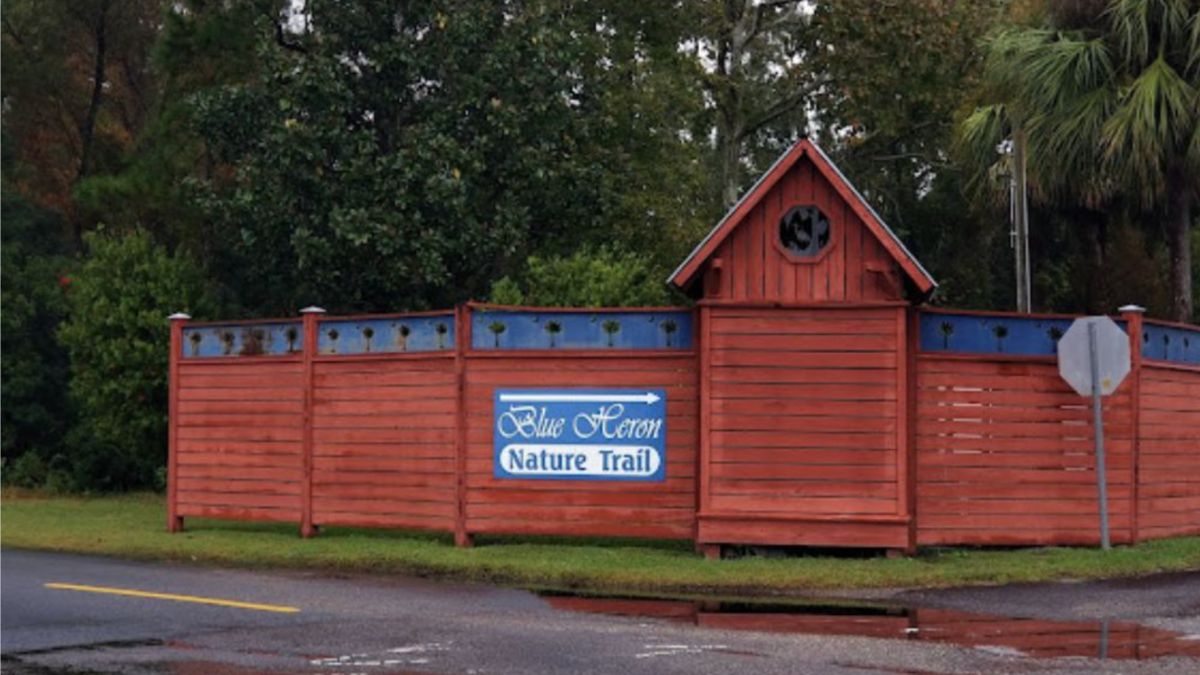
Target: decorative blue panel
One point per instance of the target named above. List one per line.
(1171, 343)
(266, 339)
(427, 333)
(504, 329)
(999, 334)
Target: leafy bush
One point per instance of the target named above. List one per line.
(33, 276)
(117, 338)
(27, 471)
(600, 277)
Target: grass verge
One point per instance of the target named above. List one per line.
(132, 526)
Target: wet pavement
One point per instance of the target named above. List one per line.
(398, 625)
(1021, 636)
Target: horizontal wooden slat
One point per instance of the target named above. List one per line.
(799, 374)
(804, 488)
(841, 504)
(883, 361)
(442, 509)
(806, 342)
(288, 515)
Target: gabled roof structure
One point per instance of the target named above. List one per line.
(687, 272)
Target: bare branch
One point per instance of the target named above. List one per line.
(777, 110)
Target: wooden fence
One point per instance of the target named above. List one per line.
(388, 422)
(1004, 448)
(784, 425)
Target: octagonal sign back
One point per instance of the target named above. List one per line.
(1112, 345)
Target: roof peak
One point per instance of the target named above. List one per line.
(684, 275)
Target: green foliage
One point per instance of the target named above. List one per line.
(1110, 105)
(35, 274)
(117, 337)
(601, 277)
(66, 122)
(200, 45)
(507, 291)
(406, 156)
(896, 74)
(27, 471)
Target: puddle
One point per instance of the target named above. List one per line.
(1011, 636)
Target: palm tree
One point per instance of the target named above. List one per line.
(1110, 106)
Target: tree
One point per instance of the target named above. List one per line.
(33, 303)
(1110, 103)
(200, 45)
(116, 337)
(893, 77)
(77, 91)
(404, 155)
(757, 80)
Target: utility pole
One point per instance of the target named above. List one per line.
(1019, 217)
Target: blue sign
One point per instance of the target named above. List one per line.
(580, 434)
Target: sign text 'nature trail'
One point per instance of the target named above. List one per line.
(584, 434)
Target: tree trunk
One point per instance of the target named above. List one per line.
(729, 154)
(1179, 240)
(730, 115)
(87, 130)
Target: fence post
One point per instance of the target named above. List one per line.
(310, 316)
(1132, 314)
(174, 521)
(911, 345)
(462, 340)
(702, 333)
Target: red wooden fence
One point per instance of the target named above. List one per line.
(1005, 454)
(804, 425)
(1005, 450)
(807, 424)
(383, 441)
(236, 437)
(1168, 472)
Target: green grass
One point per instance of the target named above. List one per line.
(132, 526)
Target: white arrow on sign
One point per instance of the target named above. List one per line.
(646, 398)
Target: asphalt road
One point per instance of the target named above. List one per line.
(392, 625)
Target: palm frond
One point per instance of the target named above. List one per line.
(1193, 48)
(1130, 21)
(1153, 122)
(1066, 151)
(979, 137)
(1061, 70)
(1004, 66)
(1041, 70)
(1143, 27)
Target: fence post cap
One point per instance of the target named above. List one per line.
(313, 309)
(179, 316)
(1131, 308)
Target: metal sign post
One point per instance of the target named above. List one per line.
(1093, 357)
(1098, 425)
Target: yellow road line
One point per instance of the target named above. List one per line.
(171, 596)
